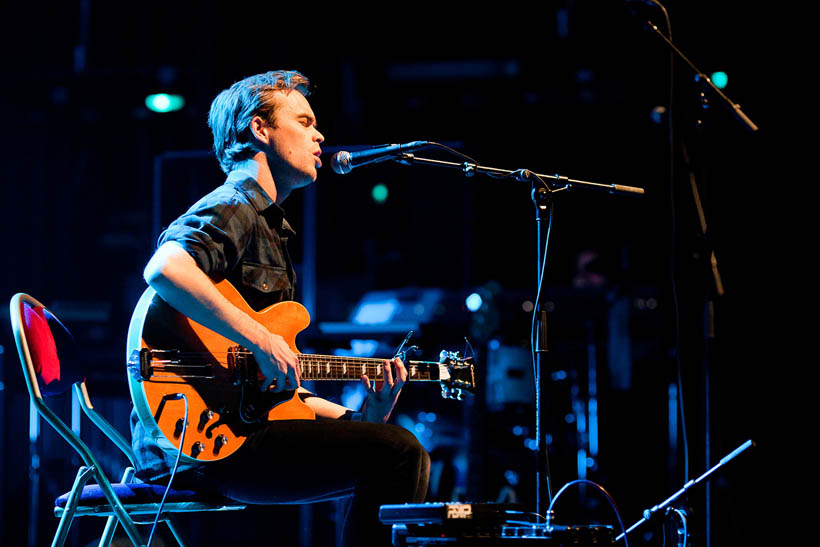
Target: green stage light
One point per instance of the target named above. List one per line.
(163, 102)
(720, 79)
(379, 193)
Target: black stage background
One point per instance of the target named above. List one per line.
(570, 89)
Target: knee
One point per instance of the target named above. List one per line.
(408, 446)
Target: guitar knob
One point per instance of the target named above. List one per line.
(206, 416)
(178, 428)
(219, 442)
(197, 449)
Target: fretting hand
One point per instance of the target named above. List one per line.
(382, 398)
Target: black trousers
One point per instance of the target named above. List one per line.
(303, 461)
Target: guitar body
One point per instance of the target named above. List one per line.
(208, 380)
(169, 355)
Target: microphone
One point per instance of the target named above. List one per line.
(343, 162)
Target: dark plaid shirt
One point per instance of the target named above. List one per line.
(236, 233)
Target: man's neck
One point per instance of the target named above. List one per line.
(258, 168)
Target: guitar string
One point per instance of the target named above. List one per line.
(318, 361)
(301, 356)
(309, 368)
(321, 373)
(315, 366)
(308, 358)
(311, 360)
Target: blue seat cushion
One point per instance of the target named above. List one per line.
(135, 493)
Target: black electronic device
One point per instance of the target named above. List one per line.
(483, 525)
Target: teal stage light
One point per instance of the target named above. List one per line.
(474, 302)
(379, 193)
(720, 79)
(163, 102)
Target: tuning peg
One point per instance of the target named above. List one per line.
(446, 356)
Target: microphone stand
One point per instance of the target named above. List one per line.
(701, 77)
(543, 197)
(649, 513)
(565, 183)
(716, 289)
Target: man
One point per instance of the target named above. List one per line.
(268, 144)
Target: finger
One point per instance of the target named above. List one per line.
(289, 367)
(297, 371)
(291, 382)
(401, 372)
(366, 383)
(279, 380)
(297, 367)
(388, 374)
(267, 382)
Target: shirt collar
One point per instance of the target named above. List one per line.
(243, 180)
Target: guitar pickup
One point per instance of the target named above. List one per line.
(158, 364)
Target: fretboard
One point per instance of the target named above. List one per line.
(336, 367)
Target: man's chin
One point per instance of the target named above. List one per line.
(312, 176)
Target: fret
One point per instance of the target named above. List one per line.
(339, 367)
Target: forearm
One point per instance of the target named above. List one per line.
(324, 408)
(174, 274)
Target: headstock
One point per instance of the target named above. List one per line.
(456, 374)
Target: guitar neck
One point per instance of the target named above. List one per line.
(335, 367)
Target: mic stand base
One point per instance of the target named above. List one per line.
(649, 513)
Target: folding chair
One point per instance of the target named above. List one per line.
(51, 365)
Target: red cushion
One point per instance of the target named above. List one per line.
(51, 376)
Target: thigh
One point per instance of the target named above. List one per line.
(297, 461)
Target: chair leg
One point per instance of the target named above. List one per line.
(122, 515)
(111, 523)
(108, 532)
(83, 474)
(128, 524)
(174, 531)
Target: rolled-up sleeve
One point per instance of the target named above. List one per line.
(214, 231)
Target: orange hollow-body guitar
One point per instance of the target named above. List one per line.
(170, 355)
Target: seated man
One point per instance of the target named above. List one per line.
(266, 141)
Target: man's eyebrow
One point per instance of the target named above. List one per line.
(306, 116)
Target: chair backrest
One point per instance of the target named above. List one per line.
(52, 364)
(48, 352)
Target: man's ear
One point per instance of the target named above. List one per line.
(260, 129)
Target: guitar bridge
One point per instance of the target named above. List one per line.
(242, 367)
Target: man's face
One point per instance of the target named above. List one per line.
(294, 148)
